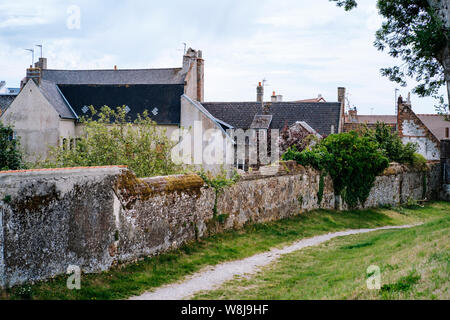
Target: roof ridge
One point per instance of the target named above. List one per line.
(146, 69)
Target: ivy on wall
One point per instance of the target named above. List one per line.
(352, 161)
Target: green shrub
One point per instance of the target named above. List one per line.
(419, 162)
(391, 144)
(11, 157)
(353, 162)
(109, 139)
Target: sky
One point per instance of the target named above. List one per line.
(302, 48)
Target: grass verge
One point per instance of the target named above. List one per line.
(414, 264)
(125, 281)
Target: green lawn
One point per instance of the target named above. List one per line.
(123, 282)
(414, 264)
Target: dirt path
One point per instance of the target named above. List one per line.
(212, 277)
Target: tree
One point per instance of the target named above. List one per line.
(353, 162)
(417, 32)
(10, 153)
(109, 139)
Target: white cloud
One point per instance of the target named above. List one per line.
(302, 47)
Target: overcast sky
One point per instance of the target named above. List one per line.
(302, 47)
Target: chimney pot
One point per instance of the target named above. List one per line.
(260, 93)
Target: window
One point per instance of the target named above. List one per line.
(447, 133)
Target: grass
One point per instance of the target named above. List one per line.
(124, 281)
(414, 264)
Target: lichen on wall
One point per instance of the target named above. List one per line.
(95, 218)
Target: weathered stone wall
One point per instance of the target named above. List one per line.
(94, 218)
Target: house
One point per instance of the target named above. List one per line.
(7, 96)
(48, 109)
(427, 130)
(50, 104)
(322, 118)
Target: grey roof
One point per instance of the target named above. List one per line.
(51, 79)
(5, 101)
(261, 122)
(115, 77)
(52, 93)
(320, 116)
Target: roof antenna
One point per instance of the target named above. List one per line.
(32, 56)
(184, 50)
(40, 46)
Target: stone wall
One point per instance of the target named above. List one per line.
(97, 217)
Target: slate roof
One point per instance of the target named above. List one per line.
(320, 116)
(5, 101)
(52, 93)
(151, 89)
(161, 101)
(111, 77)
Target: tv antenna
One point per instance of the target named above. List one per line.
(184, 49)
(32, 56)
(40, 46)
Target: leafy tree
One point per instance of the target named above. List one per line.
(109, 139)
(417, 32)
(390, 143)
(353, 162)
(10, 153)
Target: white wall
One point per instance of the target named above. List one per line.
(35, 121)
(415, 134)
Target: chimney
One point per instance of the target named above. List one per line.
(35, 74)
(353, 115)
(200, 76)
(341, 95)
(276, 98)
(193, 62)
(115, 68)
(41, 64)
(260, 93)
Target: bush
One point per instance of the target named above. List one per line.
(391, 144)
(352, 161)
(11, 157)
(109, 139)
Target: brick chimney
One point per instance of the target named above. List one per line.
(353, 115)
(341, 99)
(41, 64)
(193, 65)
(260, 93)
(32, 73)
(276, 98)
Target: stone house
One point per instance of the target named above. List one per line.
(50, 104)
(427, 130)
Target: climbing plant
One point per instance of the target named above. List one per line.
(218, 182)
(353, 162)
